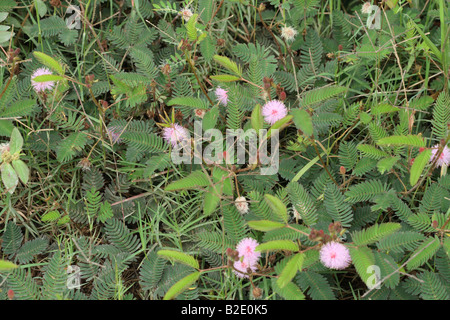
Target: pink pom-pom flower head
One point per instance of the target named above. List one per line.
(41, 86)
(273, 111)
(444, 157)
(248, 257)
(246, 248)
(335, 255)
(222, 96)
(175, 134)
(242, 266)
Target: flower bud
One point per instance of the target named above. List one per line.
(331, 227)
(220, 42)
(233, 254)
(267, 83)
(89, 80)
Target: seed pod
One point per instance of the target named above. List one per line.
(257, 292)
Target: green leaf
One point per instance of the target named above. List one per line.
(16, 143)
(374, 233)
(321, 94)
(276, 245)
(47, 77)
(51, 216)
(3, 16)
(9, 177)
(5, 35)
(383, 108)
(225, 78)
(265, 225)
(30, 249)
(228, 64)
(63, 220)
(6, 127)
(181, 285)
(386, 164)
(6, 265)
(74, 143)
(319, 288)
(365, 117)
(371, 151)
(419, 164)
(180, 257)
(303, 121)
(192, 102)
(277, 207)
(208, 48)
(20, 108)
(336, 206)
(210, 118)
(191, 28)
(302, 202)
(223, 181)
(409, 140)
(257, 119)
(211, 200)
(362, 258)
(41, 8)
(7, 5)
(290, 270)
(195, 179)
(365, 191)
(289, 292)
(49, 62)
(22, 170)
(423, 253)
(279, 125)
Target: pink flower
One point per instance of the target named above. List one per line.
(175, 134)
(243, 266)
(335, 256)
(273, 111)
(222, 96)
(444, 158)
(246, 249)
(41, 86)
(248, 257)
